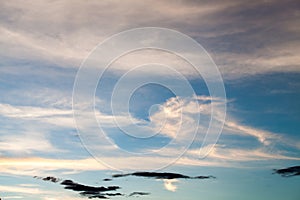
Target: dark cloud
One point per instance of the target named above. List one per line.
(69, 184)
(48, 178)
(110, 191)
(161, 175)
(138, 194)
(288, 172)
(85, 190)
(90, 191)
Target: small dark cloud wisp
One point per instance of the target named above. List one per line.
(161, 175)
(138, 194)
(288, 172)
(48, 178)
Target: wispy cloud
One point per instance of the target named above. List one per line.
(224, 153)
(240, 35)
(34, 166)
(172, 108)
(24, 190)
(27, 143)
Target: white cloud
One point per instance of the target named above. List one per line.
(24, 190)
(181, 115)
(30, 192)
(262, 136)
(30, 112)
(57, 117)
(26, 143)
(169, 184)
(227, 154)
(176, 119)
(13, 197)
(42, 166)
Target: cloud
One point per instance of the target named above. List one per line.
(49, 178)
(102, 192)
(62, 40)
(34, 165)
(13, 197)
(168, 178)
(182, 114)
(288, 172)
(219, 153)
(169, 184)
(138, 194)
(91, 191)
(266, 138)
(262, 136)
(30, 192)
(23, 190)
(39, 142)
(27, 142)
(58, 117)
(161, 175)
(243, 37)
(178, 117)
(223, 153)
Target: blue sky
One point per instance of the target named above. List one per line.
(255, 47)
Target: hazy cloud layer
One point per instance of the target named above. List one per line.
(243, 37)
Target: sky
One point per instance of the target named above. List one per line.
(149, 99)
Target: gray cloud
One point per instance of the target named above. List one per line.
(244, 37)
